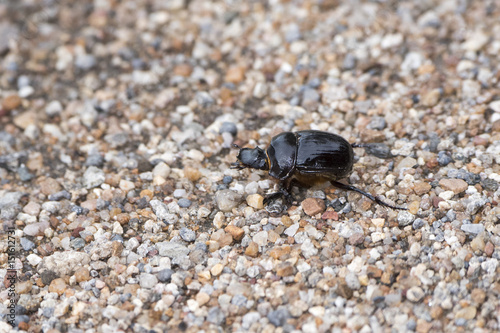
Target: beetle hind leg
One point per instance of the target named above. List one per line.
(368, 195)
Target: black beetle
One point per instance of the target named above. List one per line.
(306, 157)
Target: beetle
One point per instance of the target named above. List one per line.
(306, 157)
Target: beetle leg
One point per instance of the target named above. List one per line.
(283, 191)
(368, 195)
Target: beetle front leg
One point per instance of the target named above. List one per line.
(284, 188)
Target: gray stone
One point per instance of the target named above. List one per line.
(165, 275)
(405, 218)
(26, 244)
(172, 250)
(216, 316)
(93, 177)
(472, 228)
(147, 280)
(187, 234)
(227, 200)
(10, 199)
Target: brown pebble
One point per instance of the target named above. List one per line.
(235, 231)
(279, 252)
(45, 249)
(183, 70)
(480, 141)
(478, 296)
(489, 248)
(313, 206)
(131, 288)
(146, 193)
(82, 274)
(11, 102)
(423, 326)
(455, 185)
(436, 312)
(23, 326)
(235, 74)
(421, 188)
(431, 98)
(24, 287)
(57, 286)
(50, 186)
(356, 239)
(76, 232)
(468, 313)
(252, 249)
(117, 248)
(284, 269)
(122, 218)
(373, 272)
(330, 215)
(192, 174)
(343, 290)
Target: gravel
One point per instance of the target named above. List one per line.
(117, 135)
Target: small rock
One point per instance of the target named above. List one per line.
(252, 249)
(227, 200)
(472, 228)
(235, 74)
(126, 185)
(278, 317)
(313, 206)
(93, 177)
(179, 193)
(82, 274)
(415, 294)
(165, 275)
(57, 286)
(467, 313)
(53, 108)
(444, 158)
(421, 188)
(11, 102)
(172, 250)
(187, 234)
(256, 201)
(50, 186)
(184, 203)
(215, 315)
(26, 244)
(431, 98)
(236, 232)
(405, 218)
(192, 174)
(228, 127)
(32, 208)
(217, 269)
(162, 170)
(147, 280)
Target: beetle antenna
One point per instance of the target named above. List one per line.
(359, 145)
(236, 146)
(368, 195)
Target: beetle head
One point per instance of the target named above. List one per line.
(255, 158)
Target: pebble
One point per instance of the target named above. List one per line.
(313, 206)
(172, 250)
(228, 127)
(26, 244)
(147, 281)
(93, 177)
(59, 196)
(415, 294)
(184, 203)
(50, 186)
(227, 200)
(32, 208)
(11, 102)
(472, 228)
(405, 218)
(187, 234)
(256, 201)
(165, 275)
(57, 286)
(236, 232)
